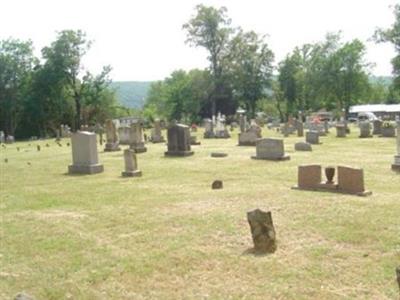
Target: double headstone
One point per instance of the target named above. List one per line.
(178, 141)
(111, 137)
(136, 141)
(84, 154)
(270, 149)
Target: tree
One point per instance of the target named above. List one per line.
(392, 35)
(63, 60)
(16, 65)
(210, 28)
(251, 66)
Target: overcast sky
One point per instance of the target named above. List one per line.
(143, 39)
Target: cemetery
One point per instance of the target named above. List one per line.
(104, 220)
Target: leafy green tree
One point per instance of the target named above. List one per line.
(211, 29)
(16, 65)
(251, 68)
(392, 35)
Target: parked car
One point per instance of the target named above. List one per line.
(363, 116)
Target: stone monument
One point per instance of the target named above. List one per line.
(84, 154)
(178, 141)
(312, 137)
(156, 136)
(396, 165)
(136, 141)
(131, 169)
(111, 136)
(208, 129)
(365, 129)
(270, 149)
(262, 231)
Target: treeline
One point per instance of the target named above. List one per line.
(330, 74)
(37, 95)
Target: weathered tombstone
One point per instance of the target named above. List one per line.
(365, 129)
(84, 154)
(340, 130)
(388, 130)
(250, 136)
(302, 146)
(351, 180)
(309, 176)
(112, 137)
(123, 133)
(178, 141)
(262, 231)
(326, 126)
(218, 154)
(312, 137)
(285, 130)
(136, 141)
(217, 185)
(156, 136)
(300, 128)
(242, 123)
(270, 149)
(220, 128)
(396, 165)
(38, 147)
(377, 127)
(208, 129)
(131, 167)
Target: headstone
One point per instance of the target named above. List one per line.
(178, 141)
(217, 185)
(365, 129)
(396, 165)
(351, 180)
(38, 147)
(10, 139)
(309, 176)
(136, 141)
(208, 129)
(262, 231)
(300, 128)
(84, 154)
(112, 137)
(340, 130)
(388, 130)
(312, 137)
(326, 126)
(123, 133)
(220, 128)
(242, 123)
(377, 127)
(302, 146)
(250, 136)
(156, 136)
(131, 167)
(270, 149)
(218, 154)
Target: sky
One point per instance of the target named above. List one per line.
(143, 40)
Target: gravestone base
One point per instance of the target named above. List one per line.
(138, 148)
(285, 157)
(331, 187)
(396, 165)
(136, 173)
(90, 169)
(178, 153)
(112, 147)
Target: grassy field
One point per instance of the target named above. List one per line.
(167, 235)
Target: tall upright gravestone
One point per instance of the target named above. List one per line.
(178, 141)
(111, 136)
(136, 140)
(156, 136)
(396, 165)
(84, 154)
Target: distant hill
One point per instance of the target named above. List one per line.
(131, 94)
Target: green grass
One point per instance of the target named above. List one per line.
(167, 235)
